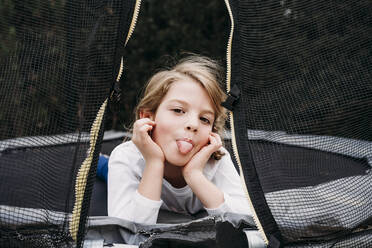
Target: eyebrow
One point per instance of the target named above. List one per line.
(206, 111)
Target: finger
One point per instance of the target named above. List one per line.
(143, 121)
(215, 143)
(212, 140)
(143, 131)
(140, 130)
(217, 138)
(139, 124)
(215, 135)
(209, 148)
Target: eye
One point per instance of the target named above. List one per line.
(178, 110)
(205, 120)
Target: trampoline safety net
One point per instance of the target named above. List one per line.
(301, 94)
(58, 63)
(300, 91)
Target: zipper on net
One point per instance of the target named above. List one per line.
(231, 119)
(130, 32)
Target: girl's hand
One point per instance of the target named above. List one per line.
(198, 161)
(142, 139)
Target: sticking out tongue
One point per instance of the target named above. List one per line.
(184, 147)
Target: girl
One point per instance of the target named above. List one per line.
(175, 160)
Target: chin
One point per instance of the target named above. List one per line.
(179, 161)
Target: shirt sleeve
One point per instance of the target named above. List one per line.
(124, 201)
(223, 208)
(229, 182)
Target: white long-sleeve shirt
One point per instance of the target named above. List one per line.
(126, 165)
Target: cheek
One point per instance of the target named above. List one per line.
(160, 132)
(204, 136)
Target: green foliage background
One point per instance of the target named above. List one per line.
(31, 79)
(164, 32)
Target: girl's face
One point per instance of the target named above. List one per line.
(184, 121)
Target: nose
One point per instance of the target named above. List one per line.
(192, 124)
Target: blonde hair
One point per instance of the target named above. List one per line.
(200, 69)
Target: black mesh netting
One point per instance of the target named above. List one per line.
(304, 118)
(58, 62)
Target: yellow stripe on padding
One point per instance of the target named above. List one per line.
(81, 179)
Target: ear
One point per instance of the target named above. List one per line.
(145, 113)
